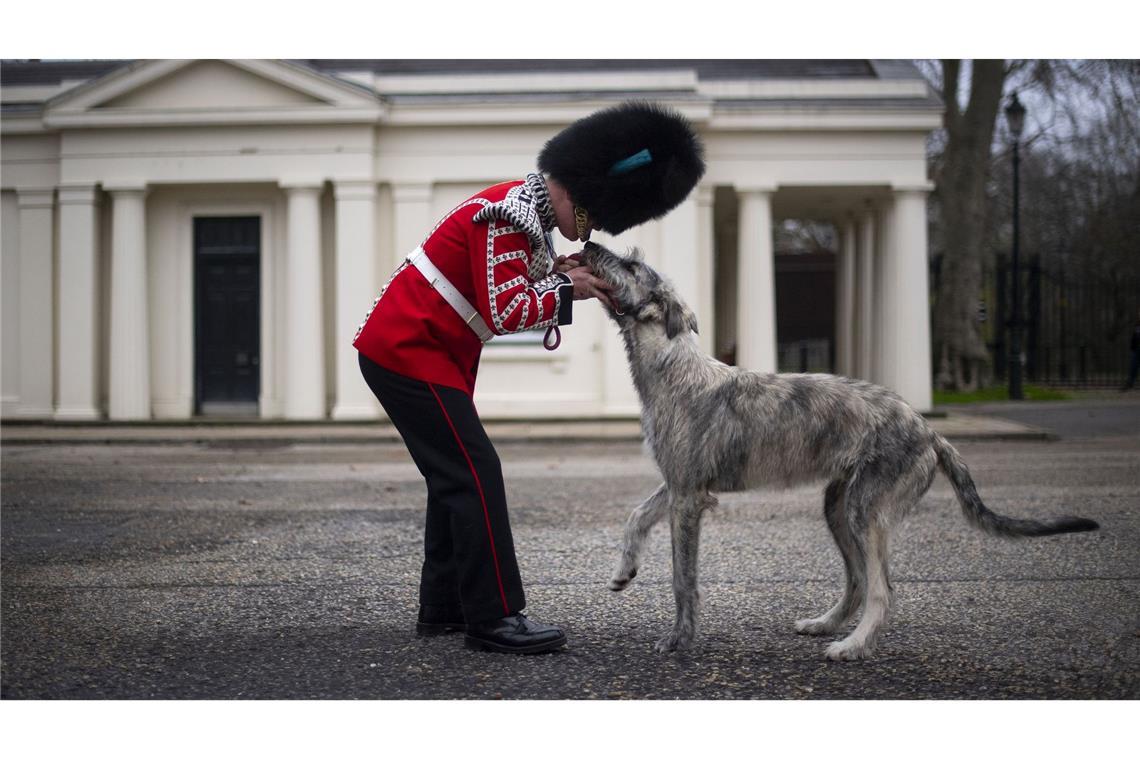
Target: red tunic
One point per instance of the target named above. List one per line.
(501, 268)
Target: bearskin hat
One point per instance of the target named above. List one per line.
(627, 164)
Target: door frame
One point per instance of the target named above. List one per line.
(224, 408)
(269, 396)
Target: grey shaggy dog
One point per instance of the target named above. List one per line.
(712, 427)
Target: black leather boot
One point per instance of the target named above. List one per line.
(514, 634)
(436, 621)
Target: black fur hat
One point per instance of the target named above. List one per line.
(627, 164)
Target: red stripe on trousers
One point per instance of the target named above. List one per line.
(479, 487)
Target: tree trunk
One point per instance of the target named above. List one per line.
(961, 190)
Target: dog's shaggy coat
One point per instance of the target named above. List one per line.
(712, 427)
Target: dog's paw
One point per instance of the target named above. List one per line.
(621, 580)
(848, 650)
(672, 643)
(815, 627)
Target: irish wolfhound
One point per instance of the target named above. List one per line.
(712, 427)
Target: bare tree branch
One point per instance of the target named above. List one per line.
(950, 70)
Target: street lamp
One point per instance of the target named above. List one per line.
(1015, 117)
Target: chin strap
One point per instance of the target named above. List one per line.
(582, 223)
(553, 329)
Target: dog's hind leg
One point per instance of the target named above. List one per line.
(685, 525)
(876, 597)
(874, 505)
(637, 527)
(853, 562)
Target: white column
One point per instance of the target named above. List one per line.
(883, 280)
(78, 303)
(845, 301)
(304, 347)
(9, 305)
(36, 301)
(680, 251)
(706, 259)
(910, 363)
(756, 283)
(129, 397)
(865, 297)
(412, 202)
(355, 254)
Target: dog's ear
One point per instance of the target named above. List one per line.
(678, 317)
(634, 254)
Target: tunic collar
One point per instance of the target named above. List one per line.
(537, 186)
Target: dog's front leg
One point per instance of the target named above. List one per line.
(637, 527)
(685, 523)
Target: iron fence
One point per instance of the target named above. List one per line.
(1076, 325)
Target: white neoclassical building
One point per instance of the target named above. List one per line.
(187, 238)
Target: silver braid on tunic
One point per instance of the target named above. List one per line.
(527, 206)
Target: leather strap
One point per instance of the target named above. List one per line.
(468, 313)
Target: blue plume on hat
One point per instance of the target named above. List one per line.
(627, 164)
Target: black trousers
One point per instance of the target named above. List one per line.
(469, 555)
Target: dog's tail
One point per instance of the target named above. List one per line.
(998, 525)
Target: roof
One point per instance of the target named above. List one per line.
(31, 72)
(706, 68)
(49, 72)
(728, 85)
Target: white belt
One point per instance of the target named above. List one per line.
(443, 286)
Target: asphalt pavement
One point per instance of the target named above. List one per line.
(1108, 415)
(280, 567)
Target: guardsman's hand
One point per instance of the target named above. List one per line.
(566, 263)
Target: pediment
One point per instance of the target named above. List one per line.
(212, 84)
(234, 91)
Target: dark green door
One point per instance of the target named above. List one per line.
(227, 314)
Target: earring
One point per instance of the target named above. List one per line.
(581, 223)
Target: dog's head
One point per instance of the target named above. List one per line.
(640, 294)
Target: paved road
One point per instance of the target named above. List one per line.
(199, 571)
(1069, 419)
